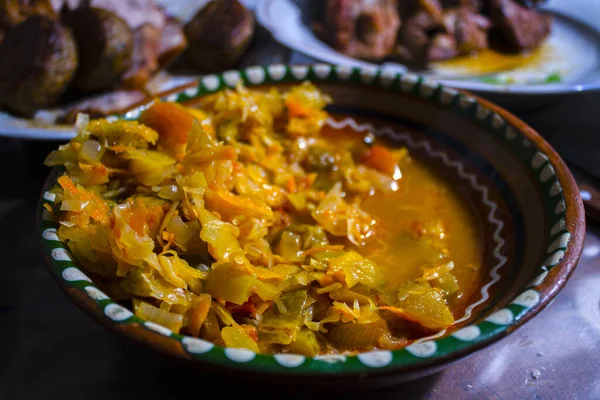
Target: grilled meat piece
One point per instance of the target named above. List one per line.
(38, 59)
(361, 28)
(103, 104)
(424, 37)
(517, 27)
(219, 34)
(442, 47)
(470, 29)
(172, 43)
(472, 5)
(104, 44)
(432, 7)
(144, 57)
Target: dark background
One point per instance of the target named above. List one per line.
(51, 349)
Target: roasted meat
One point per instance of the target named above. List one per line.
(363, 28)
(144, 57)
(417, 32)
(424, 36)
(470, 30)
(518, 28)
(38, 59)
(472, 5)
(172, 43)
(103, 104)
(219, 34)
(104, 44)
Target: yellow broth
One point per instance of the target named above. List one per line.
(423, 197)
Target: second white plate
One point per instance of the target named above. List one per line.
(569, 62)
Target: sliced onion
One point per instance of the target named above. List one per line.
(73, 205)
(170, 192)
(158, 316)
(91, 151)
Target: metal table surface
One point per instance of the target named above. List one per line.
(51, 349)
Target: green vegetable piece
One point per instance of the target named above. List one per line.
(352, 268)
(236, 336)
(281, 326)
(235, 284)
(357, 336)
(228, 131)
(289, 246)
(154, 314)
(314, 236)
(447, 283)
(297, 200)
(491, 80)
(554, 78)
(319, 158)
(223, 314)
(425, 305)
(318, 265)
(306, 343)
(210, 328)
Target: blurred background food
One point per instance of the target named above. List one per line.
(103, 56)
(38, 59)
(104, 45)
(219, 34)
(416, 32)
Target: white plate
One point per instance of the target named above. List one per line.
(572, 51)
(43, 128)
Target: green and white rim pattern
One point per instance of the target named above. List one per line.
(424, 352)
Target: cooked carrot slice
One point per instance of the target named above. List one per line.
(381, 159)
(173, 124)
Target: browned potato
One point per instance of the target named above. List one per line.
(219, 34)
(104, 43)
(13, 12)
(38, 59)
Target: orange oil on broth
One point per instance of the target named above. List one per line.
(423, 197)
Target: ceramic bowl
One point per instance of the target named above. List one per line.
(530, 210)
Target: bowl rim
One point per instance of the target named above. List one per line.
(569, 233)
